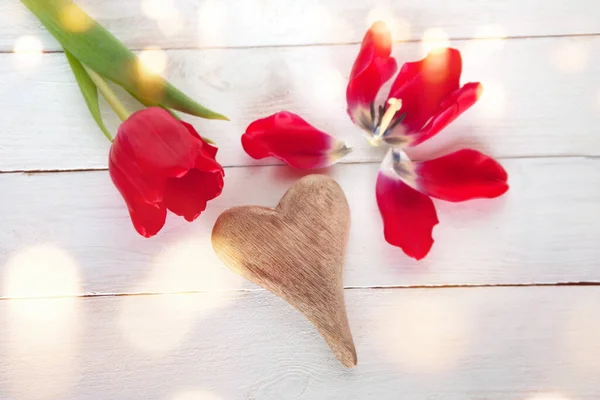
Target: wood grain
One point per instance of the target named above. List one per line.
(420, 344)
(547, 220)
(547, 106)
(210, 23)
(296, 251)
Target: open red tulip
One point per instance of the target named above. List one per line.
(424, 98)
(159, 163)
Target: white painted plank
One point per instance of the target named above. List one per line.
(542, 98)
(451, 344)
(210, 23)
(545, 229)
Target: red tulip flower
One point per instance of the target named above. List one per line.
(157, 163)
(424, 98)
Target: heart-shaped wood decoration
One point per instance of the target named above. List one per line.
(297, 252)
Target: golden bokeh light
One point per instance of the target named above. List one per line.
(157, 9)
(212, 19)
(43, 329)
(153, 61)
(28, 52)
(165, 14)
(328, 87)
(399, 27)
(196, 395)
(493, 34)
(171, 24)
(73, 19)
(318, 21)
(572, 56)
(434, 39)
(488, 40)
(159, 323)
(41, 271)
(437, 66)
(428, 334)
(190, 265)
(582, 330)
(492, 104)
(152, 64)
(548, 396)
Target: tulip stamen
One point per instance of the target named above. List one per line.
(394, 105)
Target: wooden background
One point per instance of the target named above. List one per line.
(497, 311)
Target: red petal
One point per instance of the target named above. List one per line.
(462, 175)
(207, 148)
(424, 85)
(373, 67)
(451, 108)
(147, 219)
(158, 142)
(131, 180)
(408, 216)
(291, 139)
(144, 203)
(187, 196)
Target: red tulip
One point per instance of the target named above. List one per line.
(292, 140)
(424, 98)
(159, 163)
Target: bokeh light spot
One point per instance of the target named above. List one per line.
(73, 19)
(157, 9)
(212, 18)
(572, 56)
(548, 396)
(328, 86)
(153, 60)
(171, 24)
(43, 329)
(434, 39)
(492, 104)
(28, 51)
(399, 28)
(430, 334)
(157, 324)
(488, 40)
(41, 271)
(196, 395)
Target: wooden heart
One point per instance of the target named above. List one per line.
(297, 252)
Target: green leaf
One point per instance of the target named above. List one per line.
(89, 91)
(99, 50)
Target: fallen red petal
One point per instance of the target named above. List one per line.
(408, 216)
(289, 138)
(462, 175)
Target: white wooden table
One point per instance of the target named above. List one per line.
(496, 311)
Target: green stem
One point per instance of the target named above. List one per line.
(109, 95)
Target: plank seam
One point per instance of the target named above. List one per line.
(295, 45)
(92, 295)
(58, 171)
